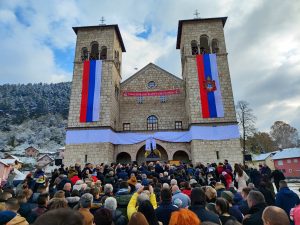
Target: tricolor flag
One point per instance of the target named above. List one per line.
(91, 90)
(210, 93)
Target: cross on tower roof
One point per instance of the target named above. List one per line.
(196, 14)
(102, 20)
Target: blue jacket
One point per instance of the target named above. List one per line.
(164, 211)
(286, 199)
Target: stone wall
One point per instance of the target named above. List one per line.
(206, 151)
(167, 113)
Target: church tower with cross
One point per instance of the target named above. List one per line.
(152, 115)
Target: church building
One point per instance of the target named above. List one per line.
(152, 115)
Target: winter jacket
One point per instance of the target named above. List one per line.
(6, 216)
(18, 220)
(286, 199)
(255, 215)
(119, 218)
(164, 211)
(123, 200)
(204, 215)
(74, 179)
(270, 200)
(132, 207)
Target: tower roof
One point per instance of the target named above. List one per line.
(180, 23)
(115, 26)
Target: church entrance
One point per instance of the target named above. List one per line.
(140, 156)
(123, 158)
(181, 156)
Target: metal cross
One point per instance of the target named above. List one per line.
(196, 14)
(102, 20)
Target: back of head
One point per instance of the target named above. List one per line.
(42, 199)
(60, 217)
(86, 200)
(255, 197)
(59, 194)
(166, 195)
(175, 188)
(198, 196)
(57, 203)
(273, 215)
(12, 204)
(148, 211)
(223, 205)
(184, 217)
(138, 218)
(173, 182)
(110, 203)
(103, 217)
(108, 188)
(142, 197)
(282, 184)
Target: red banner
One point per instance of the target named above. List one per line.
(151, 93)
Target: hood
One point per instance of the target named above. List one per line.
(18, 220)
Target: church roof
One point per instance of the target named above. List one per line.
(115, 26)
(180, 23)
(146, 67)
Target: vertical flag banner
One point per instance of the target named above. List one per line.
(91, 91)
(209, 85)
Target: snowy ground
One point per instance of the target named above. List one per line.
(295, 186)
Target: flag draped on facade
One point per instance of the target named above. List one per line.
(91, 91)
(209, 85)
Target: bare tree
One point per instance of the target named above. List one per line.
(284, 135)
(246, 121)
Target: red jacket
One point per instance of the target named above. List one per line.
(74, 179)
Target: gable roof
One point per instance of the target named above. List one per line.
(150, 65)
(262, 156)
(287, 153)
(4, 162)
(13, 158)
(30, 147)
(44, 157)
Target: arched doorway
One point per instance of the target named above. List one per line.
(123, 157)
(140, 156)
(181, 156)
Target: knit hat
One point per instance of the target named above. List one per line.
(227, 195)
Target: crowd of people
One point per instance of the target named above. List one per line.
(153, 193)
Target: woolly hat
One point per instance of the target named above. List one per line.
(227, 195)
(6, 216)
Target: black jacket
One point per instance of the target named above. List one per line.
(204, 215)
(119, 218)
(255, 215)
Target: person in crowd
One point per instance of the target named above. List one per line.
(222, 208)
(211, 193)
(41, 208)
(117, 216)
(187, 189)
(108, 192)
(60, 217)
(219, 187)
(25, 207)
(241, 177)
(57, 203)
(74, 198)
(138, 218)
(85, 202)
(198, 202)
(103, 216)
(257, 204)
(184, 217)
(286, 198)
(67, 189)
(123, 197)
(165, 208)
(13, 205)
(140, 196)
(227, 166)
(295, 215)
(277, 176)
(233, 209)
(243, 205)
(6, 216)
(269, 197)
(273, 215)
(147, 209)
(178, 194)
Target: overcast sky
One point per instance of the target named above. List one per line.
(263, 41)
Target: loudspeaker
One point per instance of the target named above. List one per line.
(248, 157)
(58, 162)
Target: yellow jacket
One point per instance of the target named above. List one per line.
(132, 207)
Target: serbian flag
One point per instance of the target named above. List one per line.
(91, 89)
(209, 85)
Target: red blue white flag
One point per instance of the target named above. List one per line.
(209, 85)
(91, 91)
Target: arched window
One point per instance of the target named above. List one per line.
(194, 47)
(94, 51)
(152, 123)
(204, 46)
(84, 54)
(215, 46)
(103, 53)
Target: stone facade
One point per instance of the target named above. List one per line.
(185, 106)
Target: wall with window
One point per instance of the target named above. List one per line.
(290, 167)
(167, 109)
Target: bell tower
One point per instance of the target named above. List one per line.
(209, 98)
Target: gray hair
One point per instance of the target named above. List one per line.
(256, 197)
(86, 200)
(142, 197)
(110, 203)
(144, 176)
(108, 188)
(173, 182)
